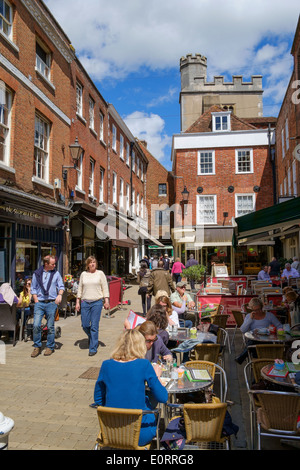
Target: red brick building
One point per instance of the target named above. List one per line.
(224, 163)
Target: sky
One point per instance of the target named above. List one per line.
(131, 49)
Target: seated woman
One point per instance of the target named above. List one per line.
(154, 344)
(172, 311)
(255, 320)
(121, 381)
(157, 314)
(293, 300)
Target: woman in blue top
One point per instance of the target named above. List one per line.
(255, 320)
(122, 379)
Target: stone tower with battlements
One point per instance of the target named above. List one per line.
(197, 95)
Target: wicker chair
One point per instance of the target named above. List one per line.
(204, 424)
(206, 352)
(252, 375)
(120, 428)
(220, 320)
(212, 369)
(277, 416)
(269, 351)
(239, 320)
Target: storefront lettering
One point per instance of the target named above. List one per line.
(15, 211)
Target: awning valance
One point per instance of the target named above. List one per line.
(268, 223)
(216, 236)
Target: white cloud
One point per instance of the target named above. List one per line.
(149, 127)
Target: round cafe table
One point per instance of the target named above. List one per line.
(183, 334)
(282, 381)
(271, 338)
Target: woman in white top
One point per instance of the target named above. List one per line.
(92, 295)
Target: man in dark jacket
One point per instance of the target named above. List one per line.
(191, 262)
(160, 280)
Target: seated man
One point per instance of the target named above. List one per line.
(179, 297)
(289, 272)
(263, 275)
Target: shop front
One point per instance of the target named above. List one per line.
(30, 229)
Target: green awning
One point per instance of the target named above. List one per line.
(270, 222)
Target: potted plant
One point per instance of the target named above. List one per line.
(195, 273)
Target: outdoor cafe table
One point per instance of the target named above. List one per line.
(271, 338)
(287, 381)
(183, 334)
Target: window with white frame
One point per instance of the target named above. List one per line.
(162, 217)
(142, 207)
(138, 167)
(282, 143)
(127, 197)
(138, 204)
(101, 186)
(133, 161)
(80, 172)
(221, 121)
(114, 138)
(42, 59)
(284, 187)
(121, 194)
(162, 189)
(244, 204)
(127, 154)
(91, 113)
(6, 17)
(41, 147)
(244, 161)
(287, 139)
(101, 130)
(114, 188)
(206, 162)
(91, 177)
(121, 147)
(79, 93)
(5, 114)
(206, 209)
(142, 171)
(295, 179)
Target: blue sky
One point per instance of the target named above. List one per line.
(132, 48)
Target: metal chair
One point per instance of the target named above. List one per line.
(239, 320)
(269, 351)
(63, 306)
(120, 428)
(207, 352)
(203, 424)
(277, 415)
(252, 375)
(212, 368)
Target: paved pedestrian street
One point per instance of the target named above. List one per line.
(48, 397)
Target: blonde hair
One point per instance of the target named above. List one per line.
(130, 345)
(89, 260)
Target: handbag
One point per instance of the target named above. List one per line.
(142, 290)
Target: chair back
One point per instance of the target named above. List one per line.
(279, 410)
(257, 365)
(220, 320)
(270, 351)
(120, 428)
(204, 422)
(238, 317)
(207, 352)
(202, 365)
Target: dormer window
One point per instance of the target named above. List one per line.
(221, 121)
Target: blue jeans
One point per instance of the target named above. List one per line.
(41, 309)
(90, 319)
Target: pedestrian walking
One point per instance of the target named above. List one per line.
(143, 277)
(166, 261)
(274, 267)
(160, 280)
(177, 270)
(47, 288)
(191, 262)
(92, 295)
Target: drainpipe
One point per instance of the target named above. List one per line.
(272, 160)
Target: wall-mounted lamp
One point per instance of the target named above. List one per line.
(185, 194)
(75, 151)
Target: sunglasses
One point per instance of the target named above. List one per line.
(151, 340)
